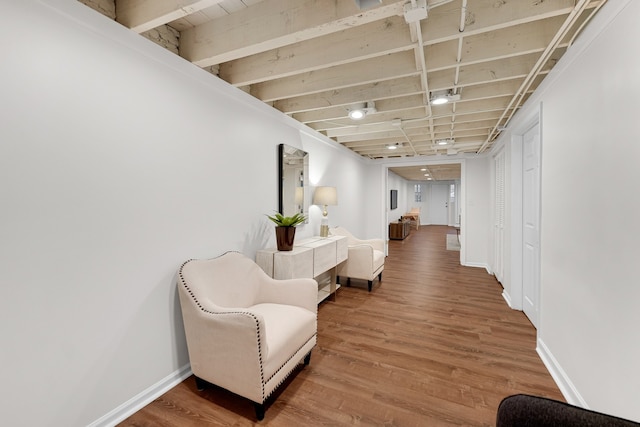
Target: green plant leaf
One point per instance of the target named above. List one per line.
(287, 221)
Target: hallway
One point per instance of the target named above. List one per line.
(433, 344)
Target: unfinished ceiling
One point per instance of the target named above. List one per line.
(432, 172)
(316, 60)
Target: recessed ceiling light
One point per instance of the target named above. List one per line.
(356, 114)
(440, 100)
(423, 169)
(426, 174)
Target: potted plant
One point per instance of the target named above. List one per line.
(286, 229)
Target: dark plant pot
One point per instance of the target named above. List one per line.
(284, 238)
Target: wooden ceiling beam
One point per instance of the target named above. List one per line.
(272, 24)
(143, 15)
(397, 65)
(378, 38)
(403, 105)
(488, 15)
(387, 89)
(374, 39)
(388, 67)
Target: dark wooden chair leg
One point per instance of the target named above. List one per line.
(380, 277)
(370, 285)
(348, 281)
(307, 358)
(259, 410)
(200, 384)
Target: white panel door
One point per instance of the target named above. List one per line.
(438, 208)
(453, 205)
(531, 224)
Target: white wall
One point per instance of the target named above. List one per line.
(476, 224)
(588, 332)
(396, 182)
(118, 161)
(336, 166)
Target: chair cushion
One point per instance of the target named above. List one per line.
(288, 328)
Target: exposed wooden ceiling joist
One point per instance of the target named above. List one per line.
(316, 59)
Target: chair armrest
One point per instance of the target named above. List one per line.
(299, 292)
(230, 337)
(361, 258)
(377, 244)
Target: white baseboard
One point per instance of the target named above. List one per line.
(558, 374)
(479, 265)
(143, 398)
(507, 298)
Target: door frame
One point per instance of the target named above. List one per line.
(516, 294)
(384, 225)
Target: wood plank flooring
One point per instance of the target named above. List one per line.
(433, 344)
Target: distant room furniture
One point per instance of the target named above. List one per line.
(413, 216)
(523, 410)
(365, 261)
(246, 332)
(309, 258)
(399, 230)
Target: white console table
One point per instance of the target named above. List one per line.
(309, 258)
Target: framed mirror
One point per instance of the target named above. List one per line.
(293, 177)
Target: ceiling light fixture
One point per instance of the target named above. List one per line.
(442, 97)
(359, 111)
(394, 146)
(357, 114)
(445, 141)
(415, 11)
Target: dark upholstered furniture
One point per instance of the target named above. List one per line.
(522, 410)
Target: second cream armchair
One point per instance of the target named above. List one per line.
(366, 258)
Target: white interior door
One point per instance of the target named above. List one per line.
(531, 224)
(438, 208)
(453, 205)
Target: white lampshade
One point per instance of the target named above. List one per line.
(327, 196)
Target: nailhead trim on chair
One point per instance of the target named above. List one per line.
(228, 312)
(282, 366)
(263, 382)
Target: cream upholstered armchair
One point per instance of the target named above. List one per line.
(246, 332)
(366, 258)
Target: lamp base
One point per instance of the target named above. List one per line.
(324, 230)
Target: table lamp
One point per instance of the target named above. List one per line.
(325, 196)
